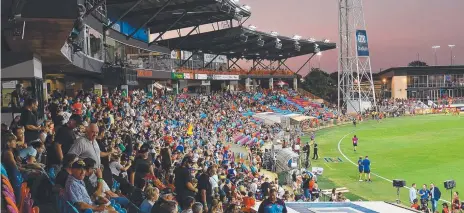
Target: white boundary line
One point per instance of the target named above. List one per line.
(384, 178)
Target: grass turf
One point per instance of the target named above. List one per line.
(422, 149)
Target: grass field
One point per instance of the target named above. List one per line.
(422, 149)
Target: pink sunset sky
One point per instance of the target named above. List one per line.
(398, 30)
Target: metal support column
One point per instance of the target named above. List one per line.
(309, 59)
(211, 61)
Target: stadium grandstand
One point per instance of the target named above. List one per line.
(101, 112)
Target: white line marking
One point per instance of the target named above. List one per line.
(384, 178)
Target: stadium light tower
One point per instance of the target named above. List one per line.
(435, 48)
(355, 84)
(451, 46)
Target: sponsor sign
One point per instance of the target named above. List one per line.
(226, 77)
(176, 75)
(98, 90)
(144, 73)
(188, 76)
(205, 83)
(361, 43)
(201, 76)
(219, 59)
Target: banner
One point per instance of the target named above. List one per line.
(205, 83)
(177, 75)
(188, 76)
(201, 76)
(226, 77)
(220, 59)
(98, 90)
(361, 43)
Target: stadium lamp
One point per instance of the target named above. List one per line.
(278, 44)
(319, 53)
(274, 33)
(236, 1)
(237, 10)
(296, 37)
(260, 41)
(252, 27)
(280, 55)
(246, 7)
(297, 46)
(312, 40)
(326, 40)
(243, 38)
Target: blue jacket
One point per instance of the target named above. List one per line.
(435, 193)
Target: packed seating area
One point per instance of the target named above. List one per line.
(135, 153)
(235, 72)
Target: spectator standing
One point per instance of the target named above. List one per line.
(65, 138)
(412, 193)
(183, 179)
(272, 204)
(30, 121)
(265, 188)
(435, 195)
(456, 204)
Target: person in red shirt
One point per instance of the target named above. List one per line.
(415, 205)
(355, 142)
(77, 107)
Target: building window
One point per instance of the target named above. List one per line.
(94, 43)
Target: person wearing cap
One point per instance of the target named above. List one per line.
(142, 165)
(63, 174)
(183, 180)
(76, 193)
(65, 137)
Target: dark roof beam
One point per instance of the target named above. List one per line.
(151, 18)
(169, 28)
(123, 14)
(190, 15)
(190, 6)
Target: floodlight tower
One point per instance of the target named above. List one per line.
(355, 84)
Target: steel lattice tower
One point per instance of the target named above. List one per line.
(355, 83)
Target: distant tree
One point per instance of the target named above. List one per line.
(321, 84)
(417, 64)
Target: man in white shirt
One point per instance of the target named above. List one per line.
(412, 193)
(254, 186)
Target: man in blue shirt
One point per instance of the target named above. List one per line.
(424, 194)
(367, 168)
(272, 204)
(360, 168)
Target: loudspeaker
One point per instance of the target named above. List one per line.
(449, 184)
(399, 183)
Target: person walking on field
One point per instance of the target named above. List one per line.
(315, 156)
(355, 142)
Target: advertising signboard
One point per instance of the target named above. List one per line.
(226, 77)
(361, 43)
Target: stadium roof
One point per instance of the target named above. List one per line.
(165, 15)
(421, 70)
(242, 42)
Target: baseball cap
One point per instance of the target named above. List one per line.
(80, 164)
(76, 118)
(89, 162)
(144, 148)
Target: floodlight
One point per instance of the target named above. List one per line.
(316, 46)
(252, 27)
(236, 1)
(319, 53)
(260, 41)
(326, 40)
(278, 44)
(246, 7)
(237, 10)
(273, 33)
(296, 37)
(243, 38)
(297, 46)
(231, 52)
(280, 55)
(312, 40)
